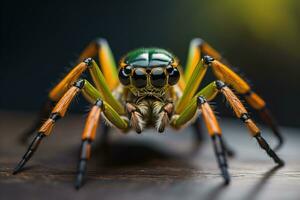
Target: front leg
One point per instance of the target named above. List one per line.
(213, 128)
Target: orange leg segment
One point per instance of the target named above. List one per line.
(58, 111)
(242, 113)
(214, 131)
(224, 73)
(88, 137)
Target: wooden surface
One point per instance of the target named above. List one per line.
(146, 166)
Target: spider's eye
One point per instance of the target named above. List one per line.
(124, 77)
(139, 78)
(173, 75)
(127, 70)
(158, 77)
(169, 69)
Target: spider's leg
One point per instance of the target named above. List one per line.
(59, 90)
(58, 112)
(225, 74)
(199, 48)
(191, 87)
(54, 95)
(99, 46)
(209, 92)
(106, 59)
(89, 132)
(88, 137)
(213, 128)
(242, 113)
(214, 131)
(199, 137)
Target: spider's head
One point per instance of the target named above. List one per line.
(149, 70)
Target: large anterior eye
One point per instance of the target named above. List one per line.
(158, 77)
(139, 78)
(174, 75)
(124, 75)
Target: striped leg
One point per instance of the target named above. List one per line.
(108, 67)
(58, 112)
(224, 73)
(214, 131)
(213, 128)
(242, 113)
(199, 137)
(209, 92)
(198, 49)
(91, 94)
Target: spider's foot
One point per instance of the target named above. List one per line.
(30, 151)
(264, 145)
(79, 181)
(225, 175)
(221, 157)
(19, 166)
(81, 172)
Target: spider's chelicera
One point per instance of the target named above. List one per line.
(152, 90)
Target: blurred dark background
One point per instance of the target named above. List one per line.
(41, 40)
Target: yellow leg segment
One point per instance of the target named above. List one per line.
(198, 47)
(191, 86)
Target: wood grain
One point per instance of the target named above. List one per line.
(146, 166)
